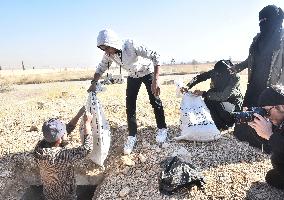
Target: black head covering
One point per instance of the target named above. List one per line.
(270, 19)
(221, 76)
(272, 96)
(222, 66)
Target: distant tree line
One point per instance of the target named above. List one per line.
(193, 62)
(22, 66)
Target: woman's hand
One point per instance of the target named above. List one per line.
(183, 90)
(198, 92)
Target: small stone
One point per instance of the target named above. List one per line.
(5, 174)
(142, 158)
(40, 105)
(33, 128)
(124, 192)
(124, 127)
(158, 150)
(125, 170)
(138, 172)
(64, 94)
(165, 145)
(145, 145)
(181, 152)
(127, 161)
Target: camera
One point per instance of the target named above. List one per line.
(248, 115)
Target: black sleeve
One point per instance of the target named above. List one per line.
(200, 78)
(70, 128)
(276, 141)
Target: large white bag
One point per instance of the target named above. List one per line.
(100, 130)
(196, 123)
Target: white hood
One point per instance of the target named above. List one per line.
(109, 38)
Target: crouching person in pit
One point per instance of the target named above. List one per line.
(224, 95)
(55, 161)
(271, 128)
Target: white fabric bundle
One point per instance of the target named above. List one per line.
(196, 123)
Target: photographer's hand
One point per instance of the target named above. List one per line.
(262, 126)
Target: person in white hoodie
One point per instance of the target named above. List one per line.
(142, 65)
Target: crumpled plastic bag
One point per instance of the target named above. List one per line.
(178, 174)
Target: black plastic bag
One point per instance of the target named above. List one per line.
(177, 175)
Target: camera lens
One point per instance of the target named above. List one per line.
(248, 116)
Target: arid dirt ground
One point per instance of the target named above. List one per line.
(232, 169)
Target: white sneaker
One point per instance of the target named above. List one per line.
(128, 146)
(162, 135)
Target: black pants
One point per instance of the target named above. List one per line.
(133, 86)
(275, 178)
(222, 118)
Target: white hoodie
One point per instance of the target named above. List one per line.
(136, 59)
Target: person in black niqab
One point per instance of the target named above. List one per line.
(265, 67)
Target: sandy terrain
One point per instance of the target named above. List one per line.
(232, 169)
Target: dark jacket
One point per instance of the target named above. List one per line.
(276, 74)
(224, 87)
(276, 142)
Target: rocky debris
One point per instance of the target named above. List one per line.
(142, 158)
(33, 128)
(40, 105)
(64, 94)
(126, 160)
(124, 192)
(5, 174)
(232, 169)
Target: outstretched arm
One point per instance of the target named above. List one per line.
(239, 67)
(101, 68)
(200, 78)
(73, 122)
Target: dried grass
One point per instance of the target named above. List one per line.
(35, 76)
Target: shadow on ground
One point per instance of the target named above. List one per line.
(84, 192)
(262, 191)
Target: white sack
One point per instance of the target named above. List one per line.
(100, 130)
(196, 123)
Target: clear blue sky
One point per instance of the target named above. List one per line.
(62, 33)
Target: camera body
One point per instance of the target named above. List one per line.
(248, 115)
